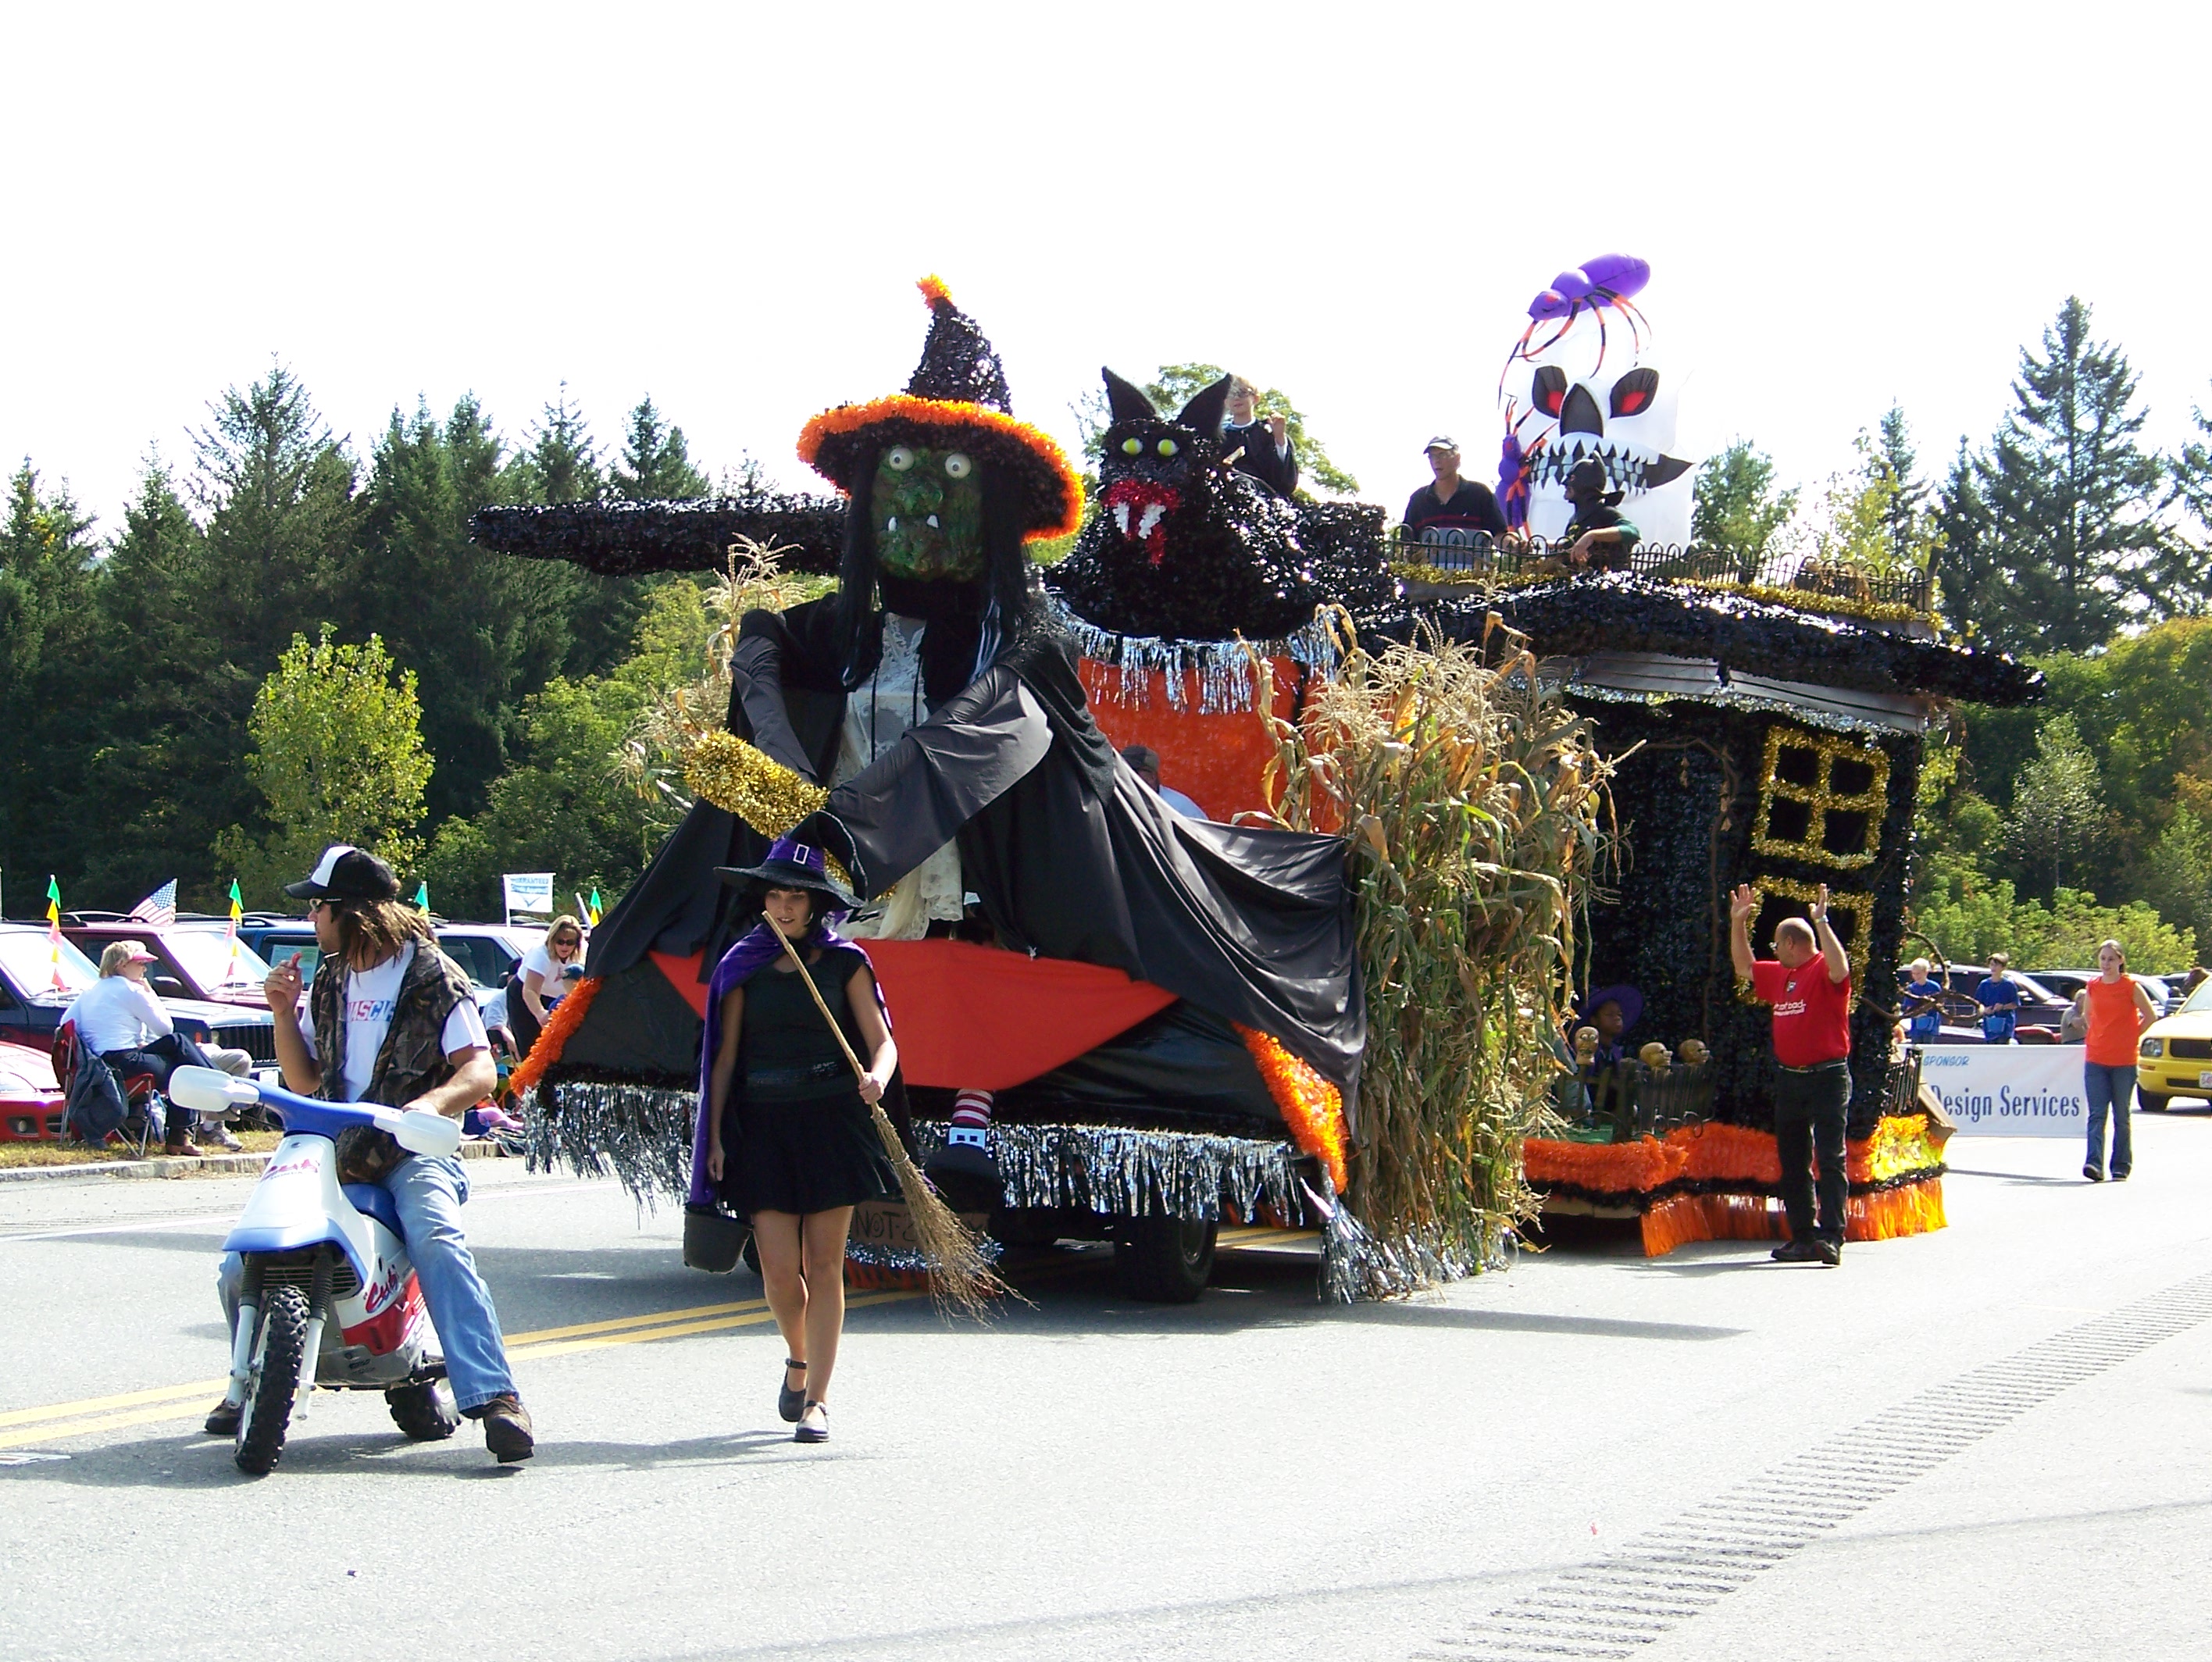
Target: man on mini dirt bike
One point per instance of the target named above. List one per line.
(391, 1019)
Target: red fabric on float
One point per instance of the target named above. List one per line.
(978, 1018)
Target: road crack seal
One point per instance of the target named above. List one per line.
(1615, 1605)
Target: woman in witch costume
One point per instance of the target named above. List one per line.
(789, 1137)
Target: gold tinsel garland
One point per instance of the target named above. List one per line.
(762, 791)
(1820, 798)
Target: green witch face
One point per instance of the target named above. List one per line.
(928, 509)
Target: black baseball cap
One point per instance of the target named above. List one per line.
(347, 873)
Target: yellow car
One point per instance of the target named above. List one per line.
(2175, 1057)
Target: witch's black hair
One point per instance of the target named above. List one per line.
(969, 621)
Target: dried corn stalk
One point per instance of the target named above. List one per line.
(1474, 808)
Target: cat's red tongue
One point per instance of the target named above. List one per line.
(1140, 509)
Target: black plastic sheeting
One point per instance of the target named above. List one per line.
(620, 539)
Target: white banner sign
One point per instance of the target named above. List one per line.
(529, 891)
(2009, 1090)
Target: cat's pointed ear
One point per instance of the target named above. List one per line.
(1125, 402)
(1204, 412)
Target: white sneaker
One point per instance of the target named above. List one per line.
(214, 1132)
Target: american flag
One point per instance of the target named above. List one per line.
(158, 908)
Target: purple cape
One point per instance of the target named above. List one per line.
(747, 956)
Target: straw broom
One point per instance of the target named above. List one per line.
(960, 1276)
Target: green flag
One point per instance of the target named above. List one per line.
(595, 906)
(423, 895)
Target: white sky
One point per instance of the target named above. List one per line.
(725, 206)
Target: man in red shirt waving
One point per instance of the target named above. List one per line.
(1808, 982)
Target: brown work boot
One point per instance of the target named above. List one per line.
(507, 1428)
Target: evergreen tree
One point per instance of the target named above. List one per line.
(2185, 578)
(1736, 507)
(562, 464)
(655, 466)
(2072, 495)
(1966, 570)
(1906, 510)
(479, 630)
(153, 784)
(46, 553)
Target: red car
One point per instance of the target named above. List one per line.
(31, 1100)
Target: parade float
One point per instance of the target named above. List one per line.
(1342, 1000)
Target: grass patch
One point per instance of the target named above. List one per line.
(14, 1155)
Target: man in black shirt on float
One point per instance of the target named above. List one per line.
(1261, 445)
(1451, 503)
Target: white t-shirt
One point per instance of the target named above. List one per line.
(369, 997)
(117, 1013)
(552, 971)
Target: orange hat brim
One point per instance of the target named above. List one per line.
(835, 442)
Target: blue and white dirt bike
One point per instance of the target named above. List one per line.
(328, 1297)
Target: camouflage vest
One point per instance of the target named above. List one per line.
(411, 1061)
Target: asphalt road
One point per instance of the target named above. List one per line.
(1880, 1461)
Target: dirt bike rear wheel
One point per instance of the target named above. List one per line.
(273, 1380)
(423, 1411)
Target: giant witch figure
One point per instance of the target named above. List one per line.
(925, 725)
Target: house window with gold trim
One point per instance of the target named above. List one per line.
(1852, 916)
(1821, 798)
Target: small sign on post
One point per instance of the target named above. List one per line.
(530, 892)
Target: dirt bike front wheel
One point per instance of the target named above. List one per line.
(273, 1380)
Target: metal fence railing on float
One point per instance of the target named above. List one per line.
(1475, 556)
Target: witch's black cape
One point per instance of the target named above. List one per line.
(1070, 855)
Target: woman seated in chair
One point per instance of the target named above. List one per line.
(120, 1021)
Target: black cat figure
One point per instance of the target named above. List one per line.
(1185, 548)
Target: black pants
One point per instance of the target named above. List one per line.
(1809, 1110)
(170, 1051)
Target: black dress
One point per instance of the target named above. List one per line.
(805, 1141)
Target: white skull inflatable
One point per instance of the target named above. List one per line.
(1583, 382)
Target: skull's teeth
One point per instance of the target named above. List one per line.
(1121, 517)
(1154, 512)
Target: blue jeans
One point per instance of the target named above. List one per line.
(429, 1194)
(2114, 1089)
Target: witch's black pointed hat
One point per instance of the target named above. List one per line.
(957, 399)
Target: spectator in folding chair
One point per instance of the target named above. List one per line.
(118, 1019)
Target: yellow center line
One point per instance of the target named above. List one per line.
(94, 1404)
(184, 1402)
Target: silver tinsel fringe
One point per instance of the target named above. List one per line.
(640, 1134)
(902, 1258)
(1132, 1173)
(1222, 671)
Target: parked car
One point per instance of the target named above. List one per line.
(2174, 1057)
(2067, 984)
(2040, 1008)
(31, 1101)
(199, 956)
(32, 1006)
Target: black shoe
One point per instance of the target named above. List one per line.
(1798, 1251)
(2118, 1176)
(1828, 1253)
(506, 1429)
(813, 1424)
(790, 1403)
(2093, 1174)
(222, 1420)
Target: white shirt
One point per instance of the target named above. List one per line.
(877, 714)
(369, 997)
(117, 1013)
(550, 970)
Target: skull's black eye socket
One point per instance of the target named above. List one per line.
(1633, 392)
(1550, 389)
